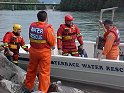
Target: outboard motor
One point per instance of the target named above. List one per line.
(82, 52)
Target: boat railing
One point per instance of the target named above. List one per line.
(89, 47)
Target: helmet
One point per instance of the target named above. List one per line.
(16, 27)
(69, 18)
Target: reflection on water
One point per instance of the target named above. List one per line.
(86, 21)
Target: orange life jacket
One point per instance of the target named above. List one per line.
(37, 35)
(115, 31)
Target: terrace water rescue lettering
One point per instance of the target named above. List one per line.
(89, 66)
(36, 33)
(70, 64)
(117, 69)
(92, 66)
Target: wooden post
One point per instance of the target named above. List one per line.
(53, 8)
(13, 7)
(35, 7)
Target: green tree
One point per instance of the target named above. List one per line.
(89, 5)
(19, 7)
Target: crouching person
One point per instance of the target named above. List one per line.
(12, 42)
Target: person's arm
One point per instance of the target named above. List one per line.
(79, 37)
(51, 38)
(23, 44)
(6, 41)
(59, 39)
(109, 43)
(102, 25)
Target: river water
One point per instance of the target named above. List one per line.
(86, 21)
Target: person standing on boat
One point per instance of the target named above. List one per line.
(66, 36)
(111, 40)
(42, 41)
(12, 42)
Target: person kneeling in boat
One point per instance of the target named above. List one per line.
(111, 41)
(66, 36)
(12, 42)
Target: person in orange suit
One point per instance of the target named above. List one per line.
(111, 41)
(42, 41)
(12, 42)
(66, 36)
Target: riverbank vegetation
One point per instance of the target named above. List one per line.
(21, 7)
(68, 5)
(89, 5)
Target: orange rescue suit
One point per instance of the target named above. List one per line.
(42, 38)
(111, 46)
(66, 37)
(14, 42)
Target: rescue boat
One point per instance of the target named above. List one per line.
(90, 70)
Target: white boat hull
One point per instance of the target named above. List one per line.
(107, 73)
(92, 71)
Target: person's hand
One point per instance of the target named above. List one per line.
(60, 51)
(1, 48)
(101, 22)
(10, 53)
(101, 57)
(53, 47)
(26, 49)
(121, 53)
(81, 46)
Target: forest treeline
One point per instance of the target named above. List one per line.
(69, 5)
(20, 7)
(89, 5)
